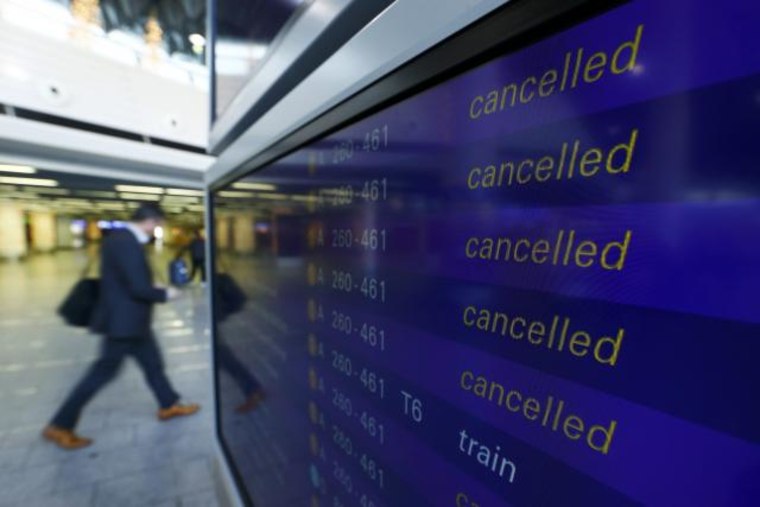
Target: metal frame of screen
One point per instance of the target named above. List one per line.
(314, 49)
(210, 60)
(508, 29)
(215, 115)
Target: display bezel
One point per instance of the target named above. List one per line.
(311, 50)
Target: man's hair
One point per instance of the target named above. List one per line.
(147, 211)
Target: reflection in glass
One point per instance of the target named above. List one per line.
(245, 31)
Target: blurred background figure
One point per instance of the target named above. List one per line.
(198, 255)
(197, 250)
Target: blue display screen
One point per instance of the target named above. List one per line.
(532, 284)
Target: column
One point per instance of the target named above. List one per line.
(92, 232)
(12, 232)
(222, 232)
(171, 235)
(245, 240)
(64, 234)
(43, 231)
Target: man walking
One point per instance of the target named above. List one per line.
(123, 316)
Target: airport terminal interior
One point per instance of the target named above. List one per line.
(337, 253)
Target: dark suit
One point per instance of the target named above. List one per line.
(198, 255)
(197, 249)
(127, 294)
(123, 315)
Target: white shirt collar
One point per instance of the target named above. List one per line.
(142, 238)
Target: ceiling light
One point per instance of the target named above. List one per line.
(76, 202)
(182, 191)
(18, 169)
(34, 182)
(110, 205)
(304, 198)
(197, 39)
(253, 186)
(51, 191)
(236, 195)
(97, 193)
(272, 196)
(139, 189)
(179, 199)
(139, 197)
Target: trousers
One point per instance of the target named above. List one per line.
(244, 379)
(198, 265)
(106, 367)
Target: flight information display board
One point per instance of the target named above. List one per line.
(533, 284)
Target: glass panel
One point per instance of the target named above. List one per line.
(533, 284)
(245, 31)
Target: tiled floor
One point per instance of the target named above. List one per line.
(135, 460)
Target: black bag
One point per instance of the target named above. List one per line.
(79, 305)
(230, 298)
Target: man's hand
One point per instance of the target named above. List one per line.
(172, 293)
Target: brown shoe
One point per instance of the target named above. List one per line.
(178, 410)
(65, 439)
(250, 403)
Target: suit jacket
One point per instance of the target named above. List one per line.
(197, 249)
(127, 294)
